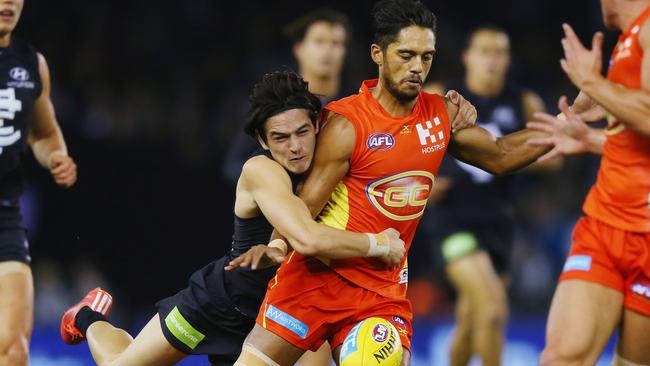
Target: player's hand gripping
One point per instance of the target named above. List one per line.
(258, 257)
(396, 248)
(466, 116)
(568, 137)
(63, 169)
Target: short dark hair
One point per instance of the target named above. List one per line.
(482, 28)
(278, 92)
(297, 29)
(391, 16)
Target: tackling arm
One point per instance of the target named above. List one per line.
(271, 189)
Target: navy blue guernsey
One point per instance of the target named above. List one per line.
(477, 196)
(246, 288)
(20, 86)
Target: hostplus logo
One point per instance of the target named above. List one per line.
(431, 135)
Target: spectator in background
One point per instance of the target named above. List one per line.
(319, 40)
(473, 221)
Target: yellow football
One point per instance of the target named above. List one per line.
(372, 342)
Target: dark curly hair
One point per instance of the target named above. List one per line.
(389, 17)
(277, 92)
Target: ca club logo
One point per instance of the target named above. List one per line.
(19, 73)
(380, 141)
(380, 333)
(9, 105)
(402, 196)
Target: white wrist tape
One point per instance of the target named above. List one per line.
(378, 245)
(280, 244)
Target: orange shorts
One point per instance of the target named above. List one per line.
(307, 304)
(614, 258)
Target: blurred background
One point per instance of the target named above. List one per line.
(151, 95)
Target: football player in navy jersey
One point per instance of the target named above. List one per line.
(26, 118)
(472, 220)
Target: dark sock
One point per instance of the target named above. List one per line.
(85, 317)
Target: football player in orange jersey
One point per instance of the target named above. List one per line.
(378, 153)
(605, 285)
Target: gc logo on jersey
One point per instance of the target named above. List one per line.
(380, 141)
(402, 196)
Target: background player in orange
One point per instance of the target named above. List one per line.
(605, 284)
(26, 118)
(376, 161)
(472, 219)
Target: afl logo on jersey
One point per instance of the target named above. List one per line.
(19, 74)
(402, 196)
(380, 141)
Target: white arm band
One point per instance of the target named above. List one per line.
(378, 245)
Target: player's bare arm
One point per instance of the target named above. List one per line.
(478, 147)
(631, 107)
(45, 136)
(271, 189)
(331, 162)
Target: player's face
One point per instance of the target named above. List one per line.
(488, 55)
(405, 63)
(291, 138)
(322, 51)
(9, 14)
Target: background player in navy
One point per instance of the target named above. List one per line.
(319, 40)
(473, 218)
(216, 311)
(26, 118)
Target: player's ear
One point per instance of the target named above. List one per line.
(297, 50)
(464, 56)
(261, 141)
(376, 54)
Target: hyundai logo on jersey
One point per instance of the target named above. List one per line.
(380, 141)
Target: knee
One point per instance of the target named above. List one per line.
(562, 354)
(14, 349)
(464, 322)
(493, 315)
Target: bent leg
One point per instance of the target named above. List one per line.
(322, 357)
(16, 313)
(487, 307)
(262, 347)
(634, 343)
(582, 318)
(461, 344)
(111, 346)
